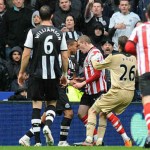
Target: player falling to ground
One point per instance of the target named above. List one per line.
(122, 67)
(47, 42)
(63, 105)
(139, 44)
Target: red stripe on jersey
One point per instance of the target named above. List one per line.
(145, 44)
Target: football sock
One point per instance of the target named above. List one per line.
(30, 133)
(147, 116)
(64, 128)
(85, 120)
(36, 121)
(118, 126)
(50, 114)
(101, 129)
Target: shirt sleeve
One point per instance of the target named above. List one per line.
(29, 40)
(63, 46)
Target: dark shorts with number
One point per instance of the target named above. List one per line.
(43, 89)
(145, 84)
(63, 102)
(89, 100)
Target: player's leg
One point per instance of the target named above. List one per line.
(35, 91)
(25, 139)
(65, 127)
(119, 100)
(144, 88)
(50, 115)
(63, 106)
(91, 124)
(84, 106)
(116, 123)
(51, 97)
(36, 121)
(101, 129)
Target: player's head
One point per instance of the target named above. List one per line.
(122, 40)
(72, 46)
(45, 12)
(84, 43)
(148, 12)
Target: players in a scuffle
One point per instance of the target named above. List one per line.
(123, 68)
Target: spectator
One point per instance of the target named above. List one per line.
(97, 35)
(17, 21)
(4, 76)
(107, 48)
(14, 62)
(122, 23)
(35, 20)
(93, 15)
(2, 34)
(65, 9)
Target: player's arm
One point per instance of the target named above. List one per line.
(25, 57)
(64, 58)
(130, 46)
(103, 64)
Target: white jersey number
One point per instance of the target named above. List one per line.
(48, 45)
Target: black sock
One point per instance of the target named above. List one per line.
(50, 114)
(64, 129)
(36, 122)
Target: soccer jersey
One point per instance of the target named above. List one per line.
(122, 67)
(97, 85)
(141, 37)
(129, 20)
(48, 42)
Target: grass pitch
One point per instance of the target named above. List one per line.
(70, 148)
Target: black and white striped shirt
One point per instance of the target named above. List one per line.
(47, 42)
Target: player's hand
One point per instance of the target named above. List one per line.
(63, 81)
(79, 85)
(21, 79)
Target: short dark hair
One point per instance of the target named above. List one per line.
(45, 12)
(100, 2)
(122, 40)
(72, 17)
(71, 42)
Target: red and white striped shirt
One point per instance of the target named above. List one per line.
(95, 79)
(141, 37)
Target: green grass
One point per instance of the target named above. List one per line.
(70, 148)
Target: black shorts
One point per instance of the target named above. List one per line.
(63, 101)
(145, 84)
(89, 100)
(43, 89)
